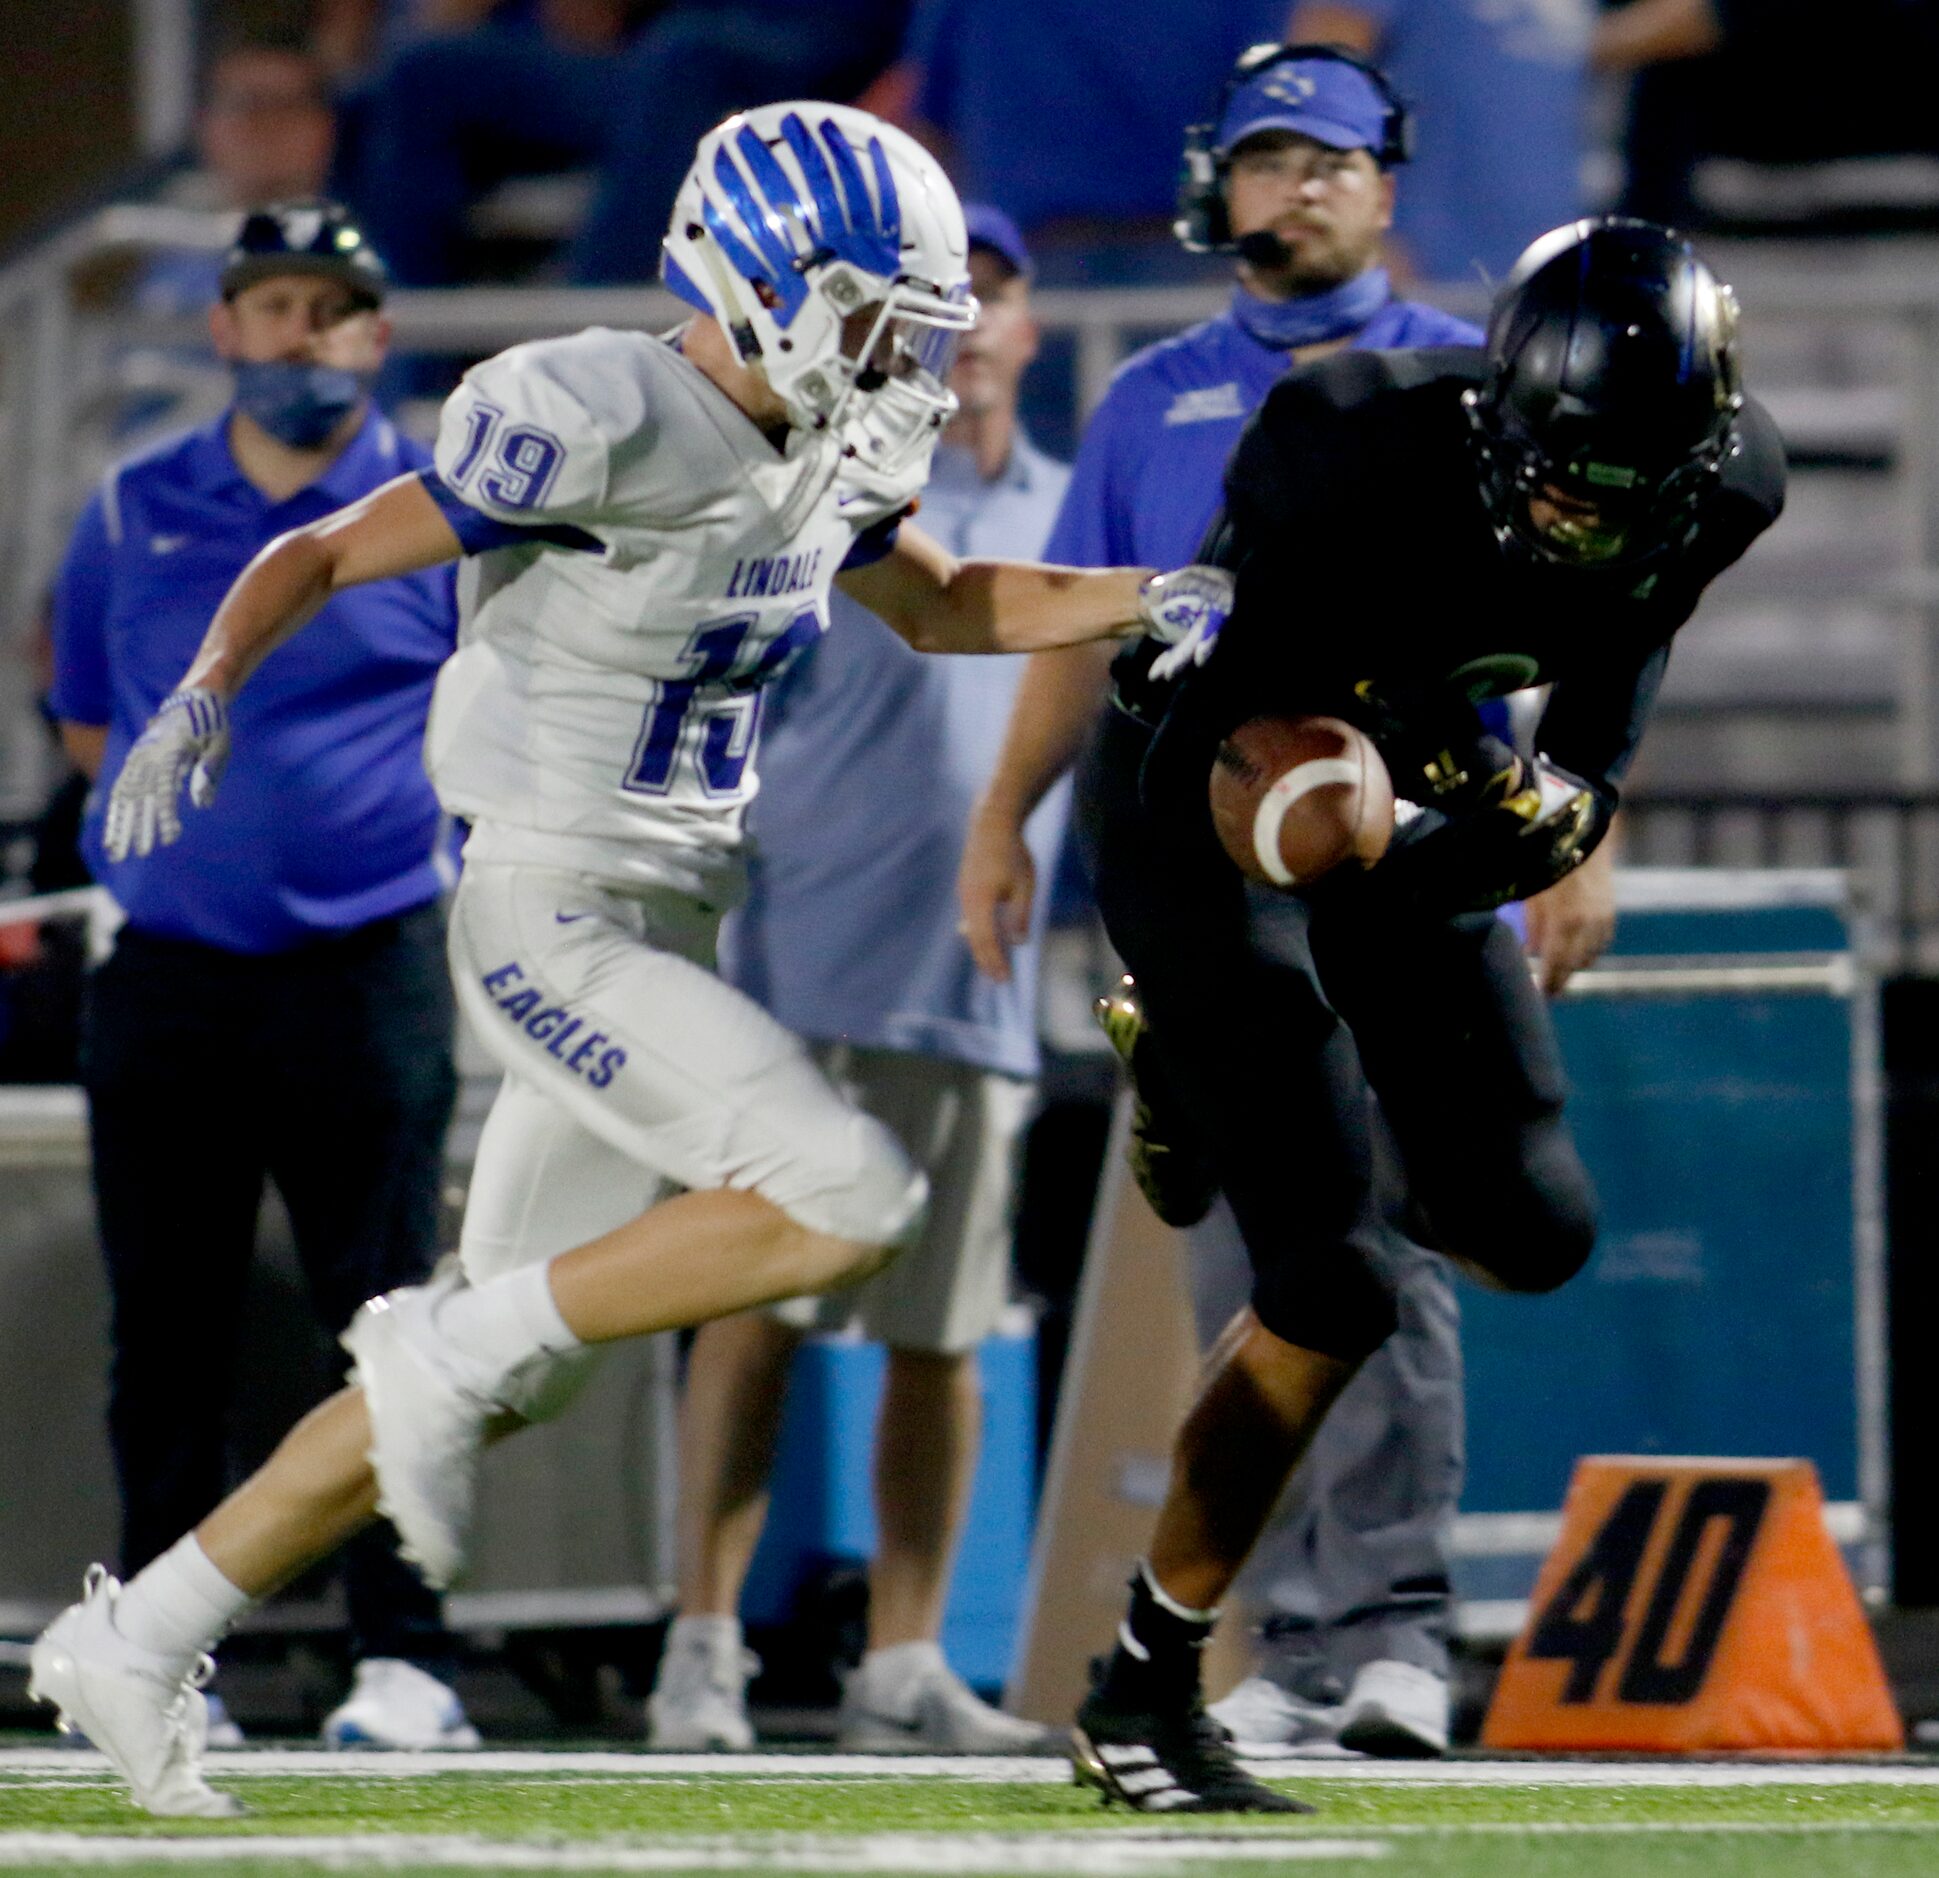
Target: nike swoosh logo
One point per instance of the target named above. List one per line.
(566, 919)
(165, 544)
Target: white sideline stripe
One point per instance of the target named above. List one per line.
(37, 1766)
(1301, 780)
(1100, 1853)
(323, 1763)
(1126, 1853)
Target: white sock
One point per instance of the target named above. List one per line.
(895, 1676)
(506, 1321)
(719, 1636)
(179, 1606)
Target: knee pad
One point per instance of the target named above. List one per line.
(863, 1187)
(1549, 1251)
(1540, 1245)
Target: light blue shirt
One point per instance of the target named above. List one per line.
(870, 761)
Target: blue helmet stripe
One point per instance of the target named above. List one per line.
(777, 255)
(855, 194)
(778, 187)
(821, 179)
(680, 282)
(891, 214)
(864, 242)
(789, 289)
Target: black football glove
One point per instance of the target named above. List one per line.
(1438, 751)
(1547, 826)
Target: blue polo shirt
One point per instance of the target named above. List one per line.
(871, 758)
(1149, 472)
(325, 819)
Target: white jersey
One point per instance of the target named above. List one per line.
(601, 713)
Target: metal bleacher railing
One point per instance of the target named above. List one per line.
(1847, 355)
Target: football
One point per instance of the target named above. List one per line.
(1293, 798)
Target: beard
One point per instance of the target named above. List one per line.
(1292, 272)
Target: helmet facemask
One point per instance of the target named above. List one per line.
(1600, 513)
(898, 365)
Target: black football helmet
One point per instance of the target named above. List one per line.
(1612, 394)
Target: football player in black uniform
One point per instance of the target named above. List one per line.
(1410, 533)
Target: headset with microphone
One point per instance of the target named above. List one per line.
(1203, 225)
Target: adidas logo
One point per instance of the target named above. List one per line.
(1139, 1776)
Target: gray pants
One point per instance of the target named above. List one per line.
(1353, 1568)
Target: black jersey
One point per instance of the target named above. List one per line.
(1371, 585)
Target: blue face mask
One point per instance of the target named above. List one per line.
(1338, 313)
(299, 405)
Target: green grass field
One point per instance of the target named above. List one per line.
(595, 1813)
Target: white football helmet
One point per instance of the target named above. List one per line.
(830, 247)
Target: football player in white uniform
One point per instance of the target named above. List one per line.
(657, 522)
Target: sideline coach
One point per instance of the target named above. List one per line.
(276, 1004)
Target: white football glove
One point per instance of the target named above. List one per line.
(186, 739)
(1186, 609)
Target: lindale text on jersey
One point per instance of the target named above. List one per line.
(773, 574)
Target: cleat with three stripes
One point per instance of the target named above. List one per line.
(1175, 1759)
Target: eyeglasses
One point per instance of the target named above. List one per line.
(1294, 163)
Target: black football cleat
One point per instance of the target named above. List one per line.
(1172, 1173)
(1171, 1760)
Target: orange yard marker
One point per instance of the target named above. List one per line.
(1692, 1606)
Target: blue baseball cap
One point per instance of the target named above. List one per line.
(1328, 100)
(990, 228)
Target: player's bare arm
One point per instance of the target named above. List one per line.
(1059, 699)
(394, 530)
(937, 603)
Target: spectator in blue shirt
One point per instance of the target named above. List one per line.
(1498, 88)
(1294, 177)
(456, 113)
(275, 1005)
(992, 75)
(867, 775)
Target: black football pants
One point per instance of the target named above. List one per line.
(1268, 1032)
(326, 1069)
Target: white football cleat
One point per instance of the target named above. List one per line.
(428, 1407)
(699, 1699)
(1396, 1711)
(942, 1714)
(1261, 1715)
(394, 1704)
(151, 1725)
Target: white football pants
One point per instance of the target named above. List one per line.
(629, 1066)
